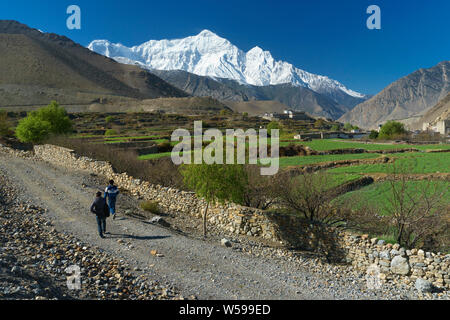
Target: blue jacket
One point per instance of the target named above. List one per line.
(111, 193)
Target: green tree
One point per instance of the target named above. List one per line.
(391, 129)
(109, 119)
(111, 132)
(319, 123)
(40, 124)
(33, 129)
(273, 125)
(348, 127)
(335, 127)
(373, 134)
(215, 183)
(56, 116)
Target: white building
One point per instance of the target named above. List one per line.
(442, 126)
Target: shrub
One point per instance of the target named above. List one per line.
(348, 127)
(111, 132)
(109, 119)
(32, 129)
(56, 116)
(335, 127)
(150, 206)
(40, 124)
(5, 124)
(391, 130)
(259, 190)
(216, 182)
(319, 124)
(274, 125)
(419, 212)
(161, 171)
(373, 134)
(309, 195)
(164, 147)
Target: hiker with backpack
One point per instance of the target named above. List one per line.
(111, 193)
(101, 210)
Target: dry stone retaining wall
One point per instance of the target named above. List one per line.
(391, 261)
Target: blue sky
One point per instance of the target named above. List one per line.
(322, 36)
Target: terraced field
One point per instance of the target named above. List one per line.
(333, 144)
(414, 162)
(308, 160)
(378, 194)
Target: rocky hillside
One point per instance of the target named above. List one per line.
(36, 67)
(441, 111)
(410, 96)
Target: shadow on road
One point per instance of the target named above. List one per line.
(127, 236)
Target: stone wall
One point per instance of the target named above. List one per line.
(390, 261)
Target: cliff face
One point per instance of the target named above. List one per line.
(410, 96)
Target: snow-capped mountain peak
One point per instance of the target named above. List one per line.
(207, 54)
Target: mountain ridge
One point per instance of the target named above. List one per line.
(410, 96)
(207, 54)
(297, 98)
(36, 63)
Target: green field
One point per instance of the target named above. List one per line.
(414, 163)
(378, 194)
(306, 160)
(333, 144)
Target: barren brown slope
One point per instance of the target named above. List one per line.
(409, 96)
(255, 107)
(39, 60)
(440, 111)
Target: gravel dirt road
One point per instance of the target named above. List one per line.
(203, 268)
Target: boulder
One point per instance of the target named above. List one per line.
(160, 221)
(226, 243)
(400, 265)
(423, 285)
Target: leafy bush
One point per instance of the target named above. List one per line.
(109, 119)
(216, 182)
(161, 171)
(373, 134)
(32, 129)
(274, 125)
(335, 127)
(391, 130)
(164, 147)
(111, 132)
(309, 195)
(5, 124)
(319, 124)
(56, 116)
(40, 124)
(348, 127)
(150, 206)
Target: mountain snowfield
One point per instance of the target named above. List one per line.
(207, 54)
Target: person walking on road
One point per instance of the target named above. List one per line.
(101, 210)
(111, 193)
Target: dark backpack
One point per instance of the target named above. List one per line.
(106, 210)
